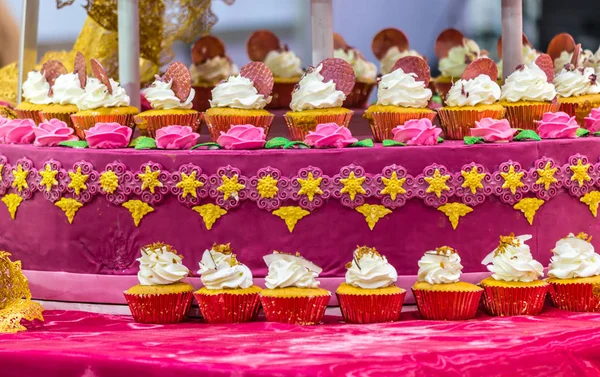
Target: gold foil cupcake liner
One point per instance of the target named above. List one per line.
(149, 124)
(524, 116)
(29, 114)
(579, 110)
(222, 123)
(65, 117)
(85, 122)
(299, 133)
(447, 305)
(382, 123)
(457, 124)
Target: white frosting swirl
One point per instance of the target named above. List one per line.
(439, 267)
(573, 258)
(67, 89)
(363, 69)
(402, 89)
(213, 70)
(36, 88)
(238, 92)
(313, 93)
(514, 262)
(284, 274)
(391, 57)
(228, 274)
(159, 266)
(458, 58)
(372, 271)
(161, 96)
(284, 64)
(96, 95)
(576, 83)
(529, 56)
(592, 60)
(528, 84)
(480, 90)
(564, 59)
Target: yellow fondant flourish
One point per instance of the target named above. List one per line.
(78, 181)
(455, 211)
(189, 184)
(592, 199)
(393, 186)
(20, 178)
(437, 183)
(291, 215)
(580, 172)
(529, 207)
(230, 187)
(109, 181)
(310, 186)
(472, 179)
(12, 201)
(352, 185)
(70, 207)
(138, 210)
(210, 214)
(512, 179)
(546, 176)
(267, 187)
(150, 179)
(373, 213)
(48, 177)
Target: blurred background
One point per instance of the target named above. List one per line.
(357, 20)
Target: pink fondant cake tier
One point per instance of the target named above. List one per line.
(95, 256)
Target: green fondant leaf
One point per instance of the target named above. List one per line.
(74, 144)
(392, 143)
(440, 140)
(295, 144)
(597, 133)
(581, 132)
(470, 140)
(145, 142)
(367, 143)
(276, 142)
(209, 145)
(527, 135)
(133, 142)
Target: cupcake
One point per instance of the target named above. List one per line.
(67, 89)
(365, 74)
(574, 274)
(264, 46)
(529, 53)
(471, 99)
(241, 99)
(514, 287)
(319, 96)
(103, 101)
(561, 49)
(455, 53)
(528, 93)
(578, 89)
(439, 293)
(293, 294)
(388, 46)
(402, 95)
(161, 296)
(228, 295)
(210, 65)
(37, 91)
(370, 294)
(171, 98)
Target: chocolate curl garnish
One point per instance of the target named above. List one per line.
(356, 262)
(575, 56)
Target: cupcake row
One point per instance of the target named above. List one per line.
(369, 293)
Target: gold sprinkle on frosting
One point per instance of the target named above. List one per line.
(362, 251)
(584, 236)
(159, 246)
(348, 265)
(233, 260)
(222, 248)
(506, 241)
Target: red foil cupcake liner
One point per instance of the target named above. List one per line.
(447, 306)
(295, 310)
(147, 125)
(525, 116)
(201, 99)
(159, 308)
(282, 95)
(65, 117)
(300, 133)
(509, 301)
(457, 124)
(576, 297)
(382, 123)
(359, 97)
(228, 308)
(578, 110)
(29, 114)
(85, 122)
(218, 123)
(371, 308)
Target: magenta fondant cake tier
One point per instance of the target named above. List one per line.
(82, 216)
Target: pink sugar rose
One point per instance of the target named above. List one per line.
(51, 132)
(245, 136)
(108, 135)
(16, 131)
(592, 122)
(493, 130)
(417, 132)
(557, 126)
(330, 135)
(176, 137)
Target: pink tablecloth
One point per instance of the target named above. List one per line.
(78, 344)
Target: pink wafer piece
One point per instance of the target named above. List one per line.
(80, 69)
(416, 65)
(481, 66)
(446, 40)
(544, 61)
(340, 72)
(181, 79)
(261, 77)
(51, 70)
(100, 74)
